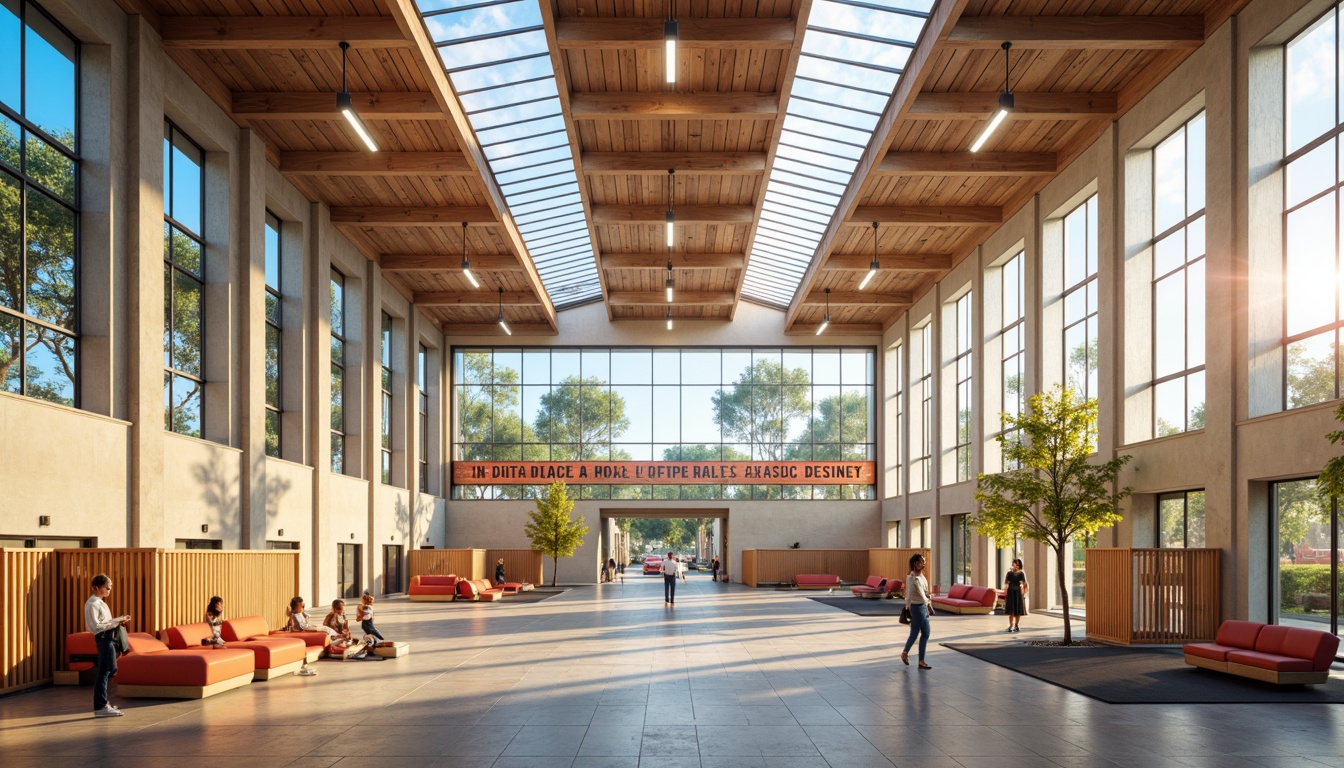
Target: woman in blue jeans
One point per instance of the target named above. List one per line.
(98, 619)
(917, 598)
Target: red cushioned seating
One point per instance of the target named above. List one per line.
(150, 669)
(878, 587)
(478, 590)
(79, 647)
(964, 598)
(816, 581)
(1232, 635)
(1268, 652)
(433, 588)
(254, 627)
(514, 587)
(274, 655)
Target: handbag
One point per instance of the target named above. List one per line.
(905, 615)
(121, 641)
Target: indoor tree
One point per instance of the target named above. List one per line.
(1056, 494)
(552, 530)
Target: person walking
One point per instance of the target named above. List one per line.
(98, 620)
(917, 600)
(714, 568)
(611, 569)
(499, 572)
(669, 571)
(1015, 595)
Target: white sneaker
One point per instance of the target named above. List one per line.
(108, 711)
(306, 672)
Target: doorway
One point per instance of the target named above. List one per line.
(348, 570)
(695, 535)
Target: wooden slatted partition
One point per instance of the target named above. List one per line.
(894, 562)
(28, 644)
(1153, 596)
(782, 565)
(519, 564)
(749, 568)
(465, 563)
(133, 587)
(252, 583)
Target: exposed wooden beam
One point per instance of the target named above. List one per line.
(674, 106)
(1078, 32)
(141, 8)
(1027, 106)
(279, 32)
(658, 163)
(627, 33)
(958, 215)
(680, 261)
(968, 164)
(680, 298)
(412, 262)
(493, 329)
(930, 262)
(473, 298)
(386, 105)
(686, 214)
(835, 329)
(375, 164)
(412, 216)
(861, 299)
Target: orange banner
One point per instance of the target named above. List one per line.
(665, 472)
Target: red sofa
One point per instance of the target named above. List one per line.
(254, 627)
(274, 655)
(430, 589)
(964, 598)
(816, 581)
(877, 588)
(1268, 652)
(152, 670)
(478, 591)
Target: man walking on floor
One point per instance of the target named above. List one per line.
(669, 570)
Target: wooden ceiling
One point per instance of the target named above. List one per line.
(274, 65)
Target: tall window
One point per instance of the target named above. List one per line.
(1012, 339)
(337, 372)
(1313, 116)
(1178, 280)
(921, 392)
(898, 415)
(274, 366)
(386, 432)
(962, 364)
(183, 282)
(422, 409)
(1180, 519)
(961, 549)
(1080, 299)
(39, 196)
(1306, 557)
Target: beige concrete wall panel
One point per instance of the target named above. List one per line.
(202, 484)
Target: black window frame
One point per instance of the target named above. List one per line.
(339, 464)
(172, 271)
(275, 323)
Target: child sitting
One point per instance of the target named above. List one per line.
(365, 616)
(214, 617)
(337, 623)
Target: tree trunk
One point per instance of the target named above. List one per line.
(555, 569)
(1063, 593)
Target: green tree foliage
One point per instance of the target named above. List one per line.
(1056, 494)
(552, 530)
(491, 424)
(583, 416)
(837, 431)
(762, 403)
(1311, 379)
(1330, 483)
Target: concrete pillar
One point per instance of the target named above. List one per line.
(320, 242)
(251, 371)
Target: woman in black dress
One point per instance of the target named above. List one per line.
(1015, 595)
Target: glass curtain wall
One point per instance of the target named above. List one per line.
(666, 404)
(1307, 548)
(1180, 520)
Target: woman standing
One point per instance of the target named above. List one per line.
(1015, 595)
(917, 600)
(98, 620)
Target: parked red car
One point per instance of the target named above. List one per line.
(653, 564)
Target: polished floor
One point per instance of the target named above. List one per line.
(610, 677)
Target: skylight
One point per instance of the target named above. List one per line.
(853, 54)
(496, 57)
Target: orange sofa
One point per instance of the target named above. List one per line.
(478, 590)
(430, 589)
(152, 670)
(275, 656)
(254, 627)
(964, 598)
(1268, 652)
(877, 588)
(816, 581)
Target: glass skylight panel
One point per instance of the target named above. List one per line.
(496, 57)
(853, 54)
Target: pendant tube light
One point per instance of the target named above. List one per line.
(346, 105)
(669, 318)
(466, 265)
(826, 319)
(503, 324)
(873, 266)
(668, 284)
(671, 214)
(1005, 105)
(670, 45)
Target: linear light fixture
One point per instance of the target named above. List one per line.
(669, 318)
(874, 266)
(670, 44)
(503, 324)
(1005, 105)
(671, 214)
(347, 107)
(466, 265)
(669, 285)
(826, 319)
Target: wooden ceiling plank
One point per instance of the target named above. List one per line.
(1026, 106)
(943, 215)
(1079, 32)
(686, 214)
(658, 163)
(493, 329)
(680, 261)
(375, 164)
(635, 33)
(414, 262)
(835, 329)
(933, 262)
(412, 216)
(680, 298)
(384, 105)
(279, 32)
(474, 299)
(860, 299)
(968, 164)
(673, 106)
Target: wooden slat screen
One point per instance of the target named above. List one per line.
(1153, 596)
(28, 647)
(782, 565)
(749, 568)
(519, 564)
(894, 562)
(252, 583)
(133, 587)
(464, 563)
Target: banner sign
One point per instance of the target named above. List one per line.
(665, 472)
